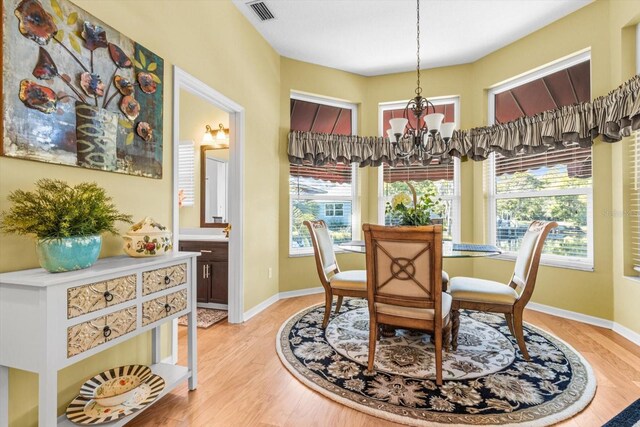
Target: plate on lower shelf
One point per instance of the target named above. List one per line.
(87, 411)
(114, 386)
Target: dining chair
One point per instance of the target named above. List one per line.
(511, 299)
(404, 283)
(349, 283)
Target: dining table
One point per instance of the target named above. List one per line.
(449, 249)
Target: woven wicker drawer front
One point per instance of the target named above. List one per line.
(163, 278)
(96, 296)
(92, 333)
(159, 308)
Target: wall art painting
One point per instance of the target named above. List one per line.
(77, 92)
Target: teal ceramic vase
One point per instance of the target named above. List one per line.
(69, 253)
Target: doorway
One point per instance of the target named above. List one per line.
(184, 86)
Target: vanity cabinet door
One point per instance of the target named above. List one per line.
(219, 282)
(204, 281)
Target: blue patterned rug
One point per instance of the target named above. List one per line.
(486, 380)
(629, 417)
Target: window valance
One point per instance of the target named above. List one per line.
(610, 117)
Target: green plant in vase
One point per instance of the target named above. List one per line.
(67, 222)
(411, 210)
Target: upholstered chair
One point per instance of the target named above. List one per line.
(404, 283)
(350, 283)
(509, 299)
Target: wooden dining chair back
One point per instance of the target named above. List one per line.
(338, 283)
(511, 299)
(404, 282)
(525, 272)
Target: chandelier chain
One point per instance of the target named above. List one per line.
(418, 89)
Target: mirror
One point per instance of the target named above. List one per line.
(214, 172)
(202, 202)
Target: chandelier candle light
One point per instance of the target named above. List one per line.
(424, 136)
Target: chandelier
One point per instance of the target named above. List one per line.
(423, 136)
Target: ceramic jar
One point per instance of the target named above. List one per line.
(69, 253)
(147, 238)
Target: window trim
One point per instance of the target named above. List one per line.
(355, 210)
(546, 259)
(456, 198)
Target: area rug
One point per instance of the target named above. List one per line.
(629, 417)
(206, 317)
(487, 381)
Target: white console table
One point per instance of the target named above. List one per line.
(50, 321)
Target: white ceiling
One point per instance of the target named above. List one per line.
(373, 37)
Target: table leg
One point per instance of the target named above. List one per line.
(192, 345)
(387, 331)
(192, 334)
(4, 396)
(48, 398)
(155, 345)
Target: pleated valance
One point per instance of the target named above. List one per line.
(609, 117)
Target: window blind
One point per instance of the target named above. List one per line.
(635, 199)
(320, 193)
(553, 186)
(551, 170)
(320, 182)
(186, 166)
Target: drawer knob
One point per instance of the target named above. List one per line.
(167, 307)
(167, 280)
(106, 331)
(108, 296)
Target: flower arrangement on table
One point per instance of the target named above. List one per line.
(413, 210)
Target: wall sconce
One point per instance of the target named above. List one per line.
(219, 138)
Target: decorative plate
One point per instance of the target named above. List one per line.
(115, 381)
(87, 411)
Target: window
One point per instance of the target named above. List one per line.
(326, 192)
(444, 178)
(554, 185)
(635, 199)
(334, 209)
(186, 179)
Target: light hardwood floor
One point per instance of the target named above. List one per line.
(241, 381)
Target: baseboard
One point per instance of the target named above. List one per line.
(260, 307)
(301, 292)
(213, 305)
(627, 333)
(571, 315)
(277, 297)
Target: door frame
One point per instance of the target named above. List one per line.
(184, 81)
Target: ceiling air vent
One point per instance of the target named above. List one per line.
(261, 10)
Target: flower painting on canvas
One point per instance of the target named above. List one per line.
(77, 92)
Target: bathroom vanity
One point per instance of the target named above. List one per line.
(212, 272)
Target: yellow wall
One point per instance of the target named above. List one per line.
(605, 292)
(299, 272)
(591, 293)
(241, 65)
(230, 56)
(626, 291)
(195, 115)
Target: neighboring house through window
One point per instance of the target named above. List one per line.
(443, 177)
(326, 192)
(553, 185)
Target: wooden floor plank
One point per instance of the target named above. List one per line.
(243, 383)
